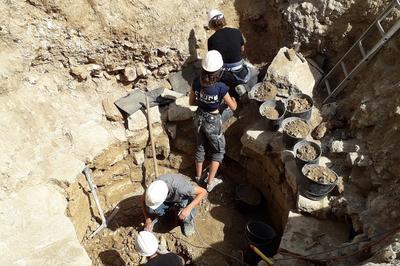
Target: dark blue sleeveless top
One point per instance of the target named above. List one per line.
(209, 98)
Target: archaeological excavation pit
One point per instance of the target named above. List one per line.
(66, 66)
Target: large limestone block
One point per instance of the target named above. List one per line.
(35, 231)
(291, 73)
(259, 140)
(90, 139)
(138, 139)
(180, 110)
(112, 155)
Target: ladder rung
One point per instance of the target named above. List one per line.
(344, 69)
(361, 48)
(380, 28)
(328, 87)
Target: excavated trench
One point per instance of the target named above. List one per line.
(220, 222)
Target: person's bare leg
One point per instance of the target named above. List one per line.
(213, 171)
(199, 169)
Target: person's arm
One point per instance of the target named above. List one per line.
(230, 101)
(148, 222)
(192, 98)
(200, 193)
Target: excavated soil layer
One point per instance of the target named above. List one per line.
(298, 105)
(271, 113)
(321, 174)
(297, 129)
(266, 91)
(307, 153)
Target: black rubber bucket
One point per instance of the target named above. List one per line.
(288, 140)
(305, 114)
(300, 163)
(315, 190)
(259, 234)
(247, 198)
(280, 106)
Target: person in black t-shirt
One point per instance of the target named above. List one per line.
(208, 93)
(147, 245)
(230, 43)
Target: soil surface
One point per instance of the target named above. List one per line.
(271, 113)
(218, 223)
(298, 105)
(266, 91)
(297, 129)
(307, 153)
(321, 174)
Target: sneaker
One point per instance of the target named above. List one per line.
(214, 183)
(198, 179)
(188, 228)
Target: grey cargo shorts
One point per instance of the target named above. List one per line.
(210, 137)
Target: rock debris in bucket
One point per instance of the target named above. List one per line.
(266, 91)
(297, 129)
(298, 105)
(270, 112)
(307, 153)
(320, 174)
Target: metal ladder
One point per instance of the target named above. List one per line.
(366, 55)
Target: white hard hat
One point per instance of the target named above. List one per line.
(146, 243)
(213, 13)
(156, 194)
(212, 61)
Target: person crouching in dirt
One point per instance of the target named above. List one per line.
(169, 192)
(208, 93)
(230, 43)
(147, 245)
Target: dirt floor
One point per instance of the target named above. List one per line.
(218, 223)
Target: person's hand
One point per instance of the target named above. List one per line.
(148, 226)
(184, 214)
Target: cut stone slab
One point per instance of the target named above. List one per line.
(170, 94)
(132, 102)
(319, 209)
(181, 80)
(35, 230)
(180, 110)
(292, 74)
(137, 121)
(155, 114)
(307, 235)
(259, 140)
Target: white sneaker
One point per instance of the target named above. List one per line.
(213, 184)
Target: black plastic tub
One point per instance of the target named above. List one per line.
(247, 198)
(315, 190)
(288, 140)
(280, 106)
(305, 114)
(259, 233)
(300, 163)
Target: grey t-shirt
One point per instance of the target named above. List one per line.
(178, 187)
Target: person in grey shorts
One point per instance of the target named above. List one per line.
(172, 191)
(208, 94)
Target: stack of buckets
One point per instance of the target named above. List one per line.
(311, 189)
